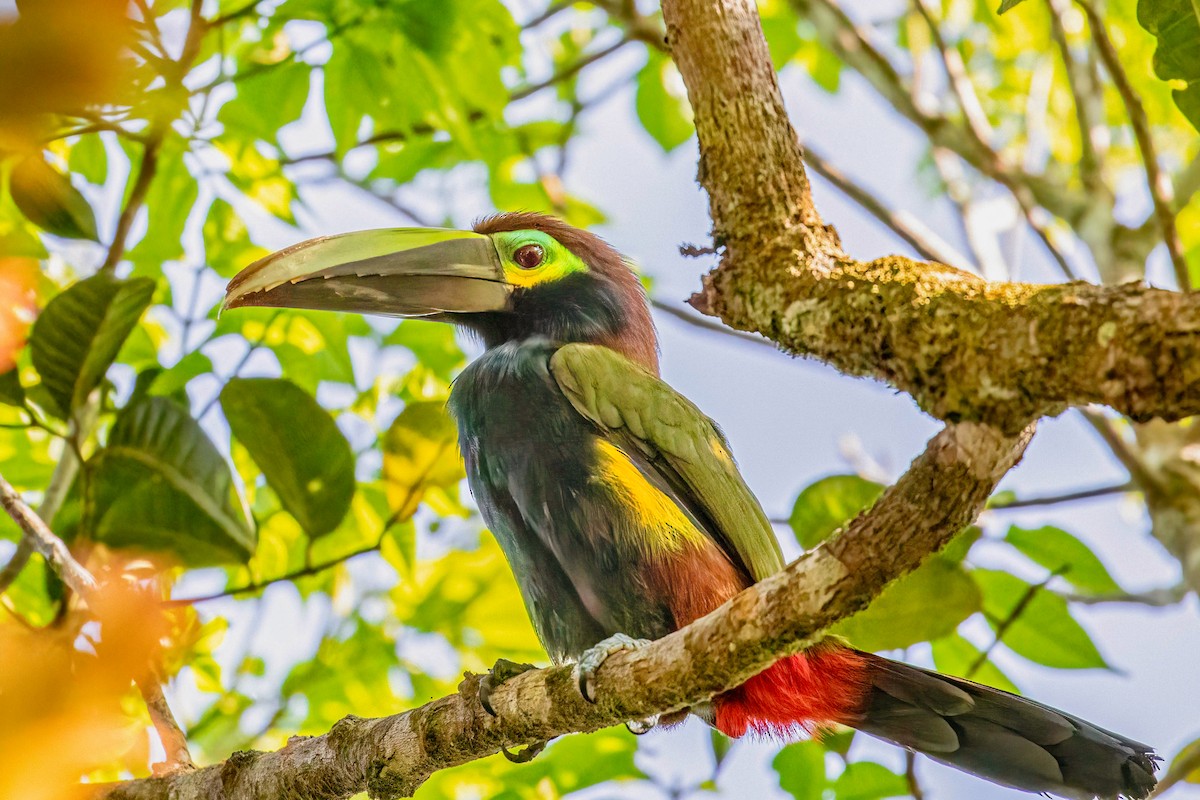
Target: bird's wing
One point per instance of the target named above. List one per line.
(676, 439)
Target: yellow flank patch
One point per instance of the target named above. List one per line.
(661, 526)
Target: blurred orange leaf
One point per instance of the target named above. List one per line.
(68, 698)
(18, 306)
(60, 57)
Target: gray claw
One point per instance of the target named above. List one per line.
(640, 727)
(593, 657)
(502, 671)
(522, 756)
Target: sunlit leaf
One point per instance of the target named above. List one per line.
(662, 104)
(1043, 631)
(161, 485)
(1176, 26)
(48, 199)
(420, 449)
(89, 159)
(954, 655)
(298, 446)
(432, 343)
(828, 504)
(926, 604)
(1063, 554)
(80, 332)
(801, 768)
(267, 101)
(169, 202)
(866, 780)
(1188, 754)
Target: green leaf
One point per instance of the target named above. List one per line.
(1063, 554)
(954, 655)
(1176, 26)
(420, 450)
(801, 768)
(227, 244)
(926, 604)
(780, 29)
(1008, 5)
(432, 343)
(47, 198)
(174, 380)
(89, 159)
(160, 484)
(662, 104)
(11, 391)
(866, 780)
(1044, 631)
(267, 101)
(169, 201)
(828, 504)
(80, 332)
(298, 446)
(1189, 753)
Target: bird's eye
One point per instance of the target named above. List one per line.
(529, 256)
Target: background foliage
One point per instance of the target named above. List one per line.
(297, 469)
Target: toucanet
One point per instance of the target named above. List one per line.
(619, 506)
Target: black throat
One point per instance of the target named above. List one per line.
(578, 308)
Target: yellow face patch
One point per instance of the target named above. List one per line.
(531, 258)
(664, 526)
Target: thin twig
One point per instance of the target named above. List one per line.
(45, 542)
(956, 73)
(1106, 427)
(923, 240)
(257, 586)
(1003, 625)
(1154, 598)
(1160, 183)
(236, 14)
(1069, 497)
(1089, 103)
(172, 737)
(910, 775)
(705, 324)
(137, 195)
(569, 71)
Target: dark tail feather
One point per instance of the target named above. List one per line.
(1001, 737)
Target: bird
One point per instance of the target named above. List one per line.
(620, 508)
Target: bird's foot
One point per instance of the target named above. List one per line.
(499, 673)
(593, 657)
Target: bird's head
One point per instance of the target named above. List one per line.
(514, 276)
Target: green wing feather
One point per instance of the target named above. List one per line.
(626, 401)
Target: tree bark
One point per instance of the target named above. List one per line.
(965, 349)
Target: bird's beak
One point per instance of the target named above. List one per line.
(404, 272)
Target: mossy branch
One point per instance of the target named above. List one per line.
(965, 349)
(392, 756)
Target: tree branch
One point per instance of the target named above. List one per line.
(1160, 183)
(942, 491)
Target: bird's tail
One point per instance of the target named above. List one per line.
(988, 732)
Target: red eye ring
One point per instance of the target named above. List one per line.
(529, 256)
